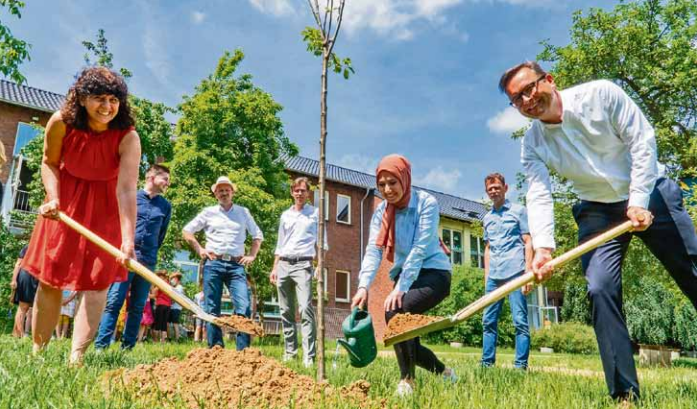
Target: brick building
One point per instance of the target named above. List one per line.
(351, 198)
(20, 107)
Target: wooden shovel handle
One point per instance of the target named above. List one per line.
(132, 265)
(529, 277)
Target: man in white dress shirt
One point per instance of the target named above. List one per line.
(594, 135)
(226, 226)
(292, 270)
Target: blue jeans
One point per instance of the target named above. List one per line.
(231, 274)
(519, 310)
(114, 301)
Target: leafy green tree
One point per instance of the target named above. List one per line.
(13, 51)
(320, 41)
(230, 127)
(100, 51)
(649, 48)
(156, 133)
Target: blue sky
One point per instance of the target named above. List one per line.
(425, 83)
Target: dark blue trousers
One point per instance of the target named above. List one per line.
(671, 238)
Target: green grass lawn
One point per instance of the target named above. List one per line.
(553, 381)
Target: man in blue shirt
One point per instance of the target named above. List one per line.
(154, 212)
(507, 255)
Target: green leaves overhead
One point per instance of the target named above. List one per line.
(313, 39)
(649, 48)
(13, 51)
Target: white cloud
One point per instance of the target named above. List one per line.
(507, 121)
(197, 17)
(358, 162)
(156, 58)
(274, 7)
(440, 179)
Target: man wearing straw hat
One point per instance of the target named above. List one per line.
(226, 226)
(595, 136)
(154, 213)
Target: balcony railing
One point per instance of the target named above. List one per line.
(21, 202)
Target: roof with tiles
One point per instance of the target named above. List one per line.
(450, 206)
(30, 97)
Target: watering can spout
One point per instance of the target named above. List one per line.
(350, 347)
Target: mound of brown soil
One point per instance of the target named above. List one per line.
(241, 324)
(404, 322)
(224, 378)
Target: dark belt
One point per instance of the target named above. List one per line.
(295, 260)
(227, 257)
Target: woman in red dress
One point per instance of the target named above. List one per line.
(90, 172)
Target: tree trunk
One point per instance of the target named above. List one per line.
(320, 234)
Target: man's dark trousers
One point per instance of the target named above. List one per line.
(671, 238)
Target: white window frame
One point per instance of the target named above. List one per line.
(338, 195)
(348, 286)
(452, 243)
(480, 245)
(315, 202)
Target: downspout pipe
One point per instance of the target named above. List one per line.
(361, 249)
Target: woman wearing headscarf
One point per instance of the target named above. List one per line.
(404, 229)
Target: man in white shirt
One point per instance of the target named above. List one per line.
(594, 135)
(226, 227)
(292, 270)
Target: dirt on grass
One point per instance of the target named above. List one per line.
(241, 324)
(223, 378)
(404, 322)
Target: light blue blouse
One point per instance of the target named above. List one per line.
(417, 244)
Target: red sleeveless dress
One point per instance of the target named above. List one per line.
(60, 257)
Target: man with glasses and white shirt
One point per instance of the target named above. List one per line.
(226, 226)
(595, 136)
(292, 270)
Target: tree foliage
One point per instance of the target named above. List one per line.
(649, 48)
(231, 127)
(156, 133)
(13, 51)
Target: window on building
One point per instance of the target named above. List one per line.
(343, 286)
(315, 201)
(453, 240)
(456, 249)
(477, 251)
(343, 209)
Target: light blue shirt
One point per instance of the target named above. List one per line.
(417, 244)
(503, 231)
(604, 145)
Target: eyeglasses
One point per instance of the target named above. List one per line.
(517, 100)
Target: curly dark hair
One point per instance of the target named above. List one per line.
(97, 81)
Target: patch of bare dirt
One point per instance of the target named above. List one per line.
(404, 322)
(241, 324)
(223, 378)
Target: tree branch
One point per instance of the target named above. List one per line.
(339, 19)
(315, 12)
(331, 18)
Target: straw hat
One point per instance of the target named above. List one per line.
(176, 274)
(223, 180)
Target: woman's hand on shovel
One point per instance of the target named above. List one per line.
(128, 251)
(50, 209)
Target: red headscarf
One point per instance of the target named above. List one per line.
(399, 167)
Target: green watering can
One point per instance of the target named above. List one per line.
(359, 338)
